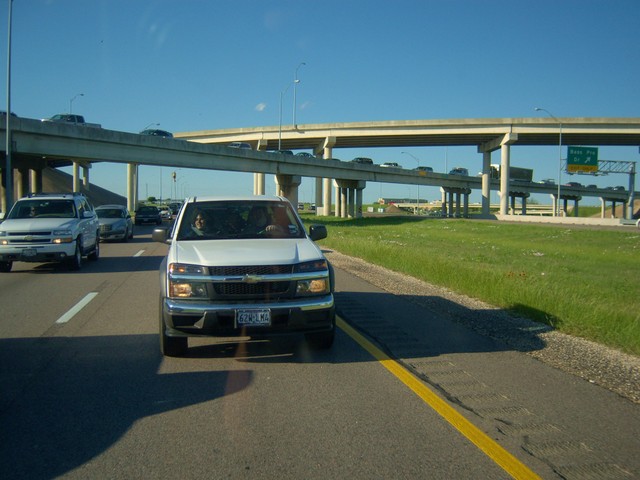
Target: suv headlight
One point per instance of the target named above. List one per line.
(3, 241)
(183, 281)
(313, 286)
(62, 236)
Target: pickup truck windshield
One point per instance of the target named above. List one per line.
(239, 219)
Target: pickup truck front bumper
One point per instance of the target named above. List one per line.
(302, 315)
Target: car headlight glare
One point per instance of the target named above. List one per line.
(318, 286)
(187, 290)
(180, 287)
(62, 236)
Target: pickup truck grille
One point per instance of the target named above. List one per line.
(251, 289)
(251, 270)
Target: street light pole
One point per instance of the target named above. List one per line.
(151, 125)
(537, 109)
(417, 184)
(8, 173)
(71, 101)
(282, 93)
(295, 82)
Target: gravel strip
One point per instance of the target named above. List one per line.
(607, 367)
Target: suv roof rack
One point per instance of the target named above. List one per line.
(60, 194)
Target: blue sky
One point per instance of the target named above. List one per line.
(210, 64)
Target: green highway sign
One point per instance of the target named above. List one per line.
(582, 159)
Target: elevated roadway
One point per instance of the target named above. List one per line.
(38, 144)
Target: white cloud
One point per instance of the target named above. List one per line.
(261, 107)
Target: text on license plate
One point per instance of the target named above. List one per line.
(253, 317)
(29, 252)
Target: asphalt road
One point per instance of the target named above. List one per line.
(89, 395)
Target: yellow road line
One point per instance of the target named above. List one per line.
(493, 450)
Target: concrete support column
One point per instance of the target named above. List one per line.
(36, 180)
(351, 207)
(451, 204)
(23, 182)
(327, 152)
(318, 199)
(343, 203)
(132, 203)
(85, 176)
(505, 151)
(3, 193)
(603, 207)
(288, 186)
(443, 202)
(524, 205)
(486, 184)
(76, 177)
(465, 207)
(512, 211)
(258, 183)
(575, 208)
(359, 195)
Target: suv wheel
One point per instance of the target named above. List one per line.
(171, 346)
(96, 251)
(75, 262)
(6, 266)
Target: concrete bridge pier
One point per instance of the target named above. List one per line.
(287, 186)
(457, 208)
(523, 198)
(349, 194)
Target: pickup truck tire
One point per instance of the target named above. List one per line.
(171, 346)
(6, 266)
(75, 262)
(93, 256)
(320, 341)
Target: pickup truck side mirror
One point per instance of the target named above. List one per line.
(160, 234)
(317, 232)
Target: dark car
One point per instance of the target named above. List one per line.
(365, 160)
(148, 215)
(115, 222)
(157, 133)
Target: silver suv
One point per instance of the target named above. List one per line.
(51, 227)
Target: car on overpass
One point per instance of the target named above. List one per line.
(243, 266)
(157, 133)
(464, 172)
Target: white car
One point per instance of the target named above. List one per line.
(243, 266)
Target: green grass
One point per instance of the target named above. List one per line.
(581, 281)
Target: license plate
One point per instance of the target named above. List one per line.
(256, 317)
(29, 252)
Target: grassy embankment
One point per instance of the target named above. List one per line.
(581, 281)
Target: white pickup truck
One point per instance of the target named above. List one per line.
(71, 119)
(243, 266)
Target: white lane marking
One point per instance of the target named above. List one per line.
(139, 253)
(78, 306)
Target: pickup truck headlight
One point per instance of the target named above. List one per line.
(62, 236)
(3, 240)
(183, 281)
(313, 286)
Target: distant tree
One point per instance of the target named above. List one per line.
(151, 199)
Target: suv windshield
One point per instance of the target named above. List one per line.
(43, 208)
(239, 219)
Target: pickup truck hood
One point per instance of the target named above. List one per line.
(37, 224)
(244, 252)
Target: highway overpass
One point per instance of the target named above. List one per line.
(37, 144)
